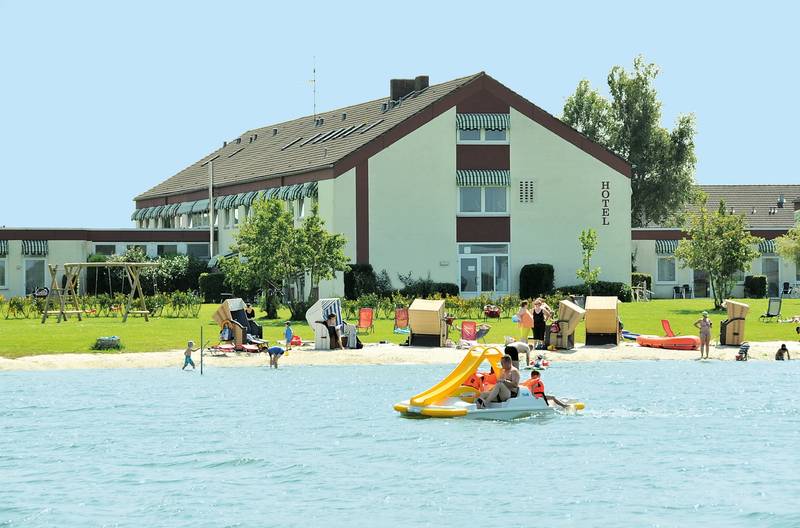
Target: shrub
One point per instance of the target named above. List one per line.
(638, 278)
(755, 286)
(602, 288)
(359, 280)
(212, 286)
(535, 280)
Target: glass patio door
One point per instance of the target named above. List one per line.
(482, 269)
(769, 267)
(469, 275)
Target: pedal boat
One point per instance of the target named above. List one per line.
(450, 398)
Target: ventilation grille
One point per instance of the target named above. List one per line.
(526, 191)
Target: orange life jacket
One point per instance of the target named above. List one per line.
(473, 381)
(535, 386)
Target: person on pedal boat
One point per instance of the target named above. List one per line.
(507, 385)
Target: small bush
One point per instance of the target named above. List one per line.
(638, 278)
(602, 289)
(535, 280)
(212, 286)
(755, 286)
(359, 280)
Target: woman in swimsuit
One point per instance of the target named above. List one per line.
(704, 324)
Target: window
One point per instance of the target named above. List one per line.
(2, 273)
(666, 269)
(34, 275)
(197, 250)
(236, 216)
(246, 211)
(738, 277)
(482, 135)
(166, 223)
(105, 249)
(494, 135)
(301, 209)
(166, 249)
(470, 199)
(483, 200)
(495, 199)
(469, 135)
(483, 268)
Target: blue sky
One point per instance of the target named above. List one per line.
(99, 101)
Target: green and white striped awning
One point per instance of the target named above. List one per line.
(311, 189)
(3, 248)
(478, 121)
(200, 206)
(155, 212)
(34, 248)
(666, 247)
(482, 178)
(184, 208)
(170, 210)
(135, 214)
(766, 246)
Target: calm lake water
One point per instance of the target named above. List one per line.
(660, 444)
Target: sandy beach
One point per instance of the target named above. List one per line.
(376, 354)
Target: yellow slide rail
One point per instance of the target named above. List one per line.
(444, 389)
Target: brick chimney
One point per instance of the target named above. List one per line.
(401, 87)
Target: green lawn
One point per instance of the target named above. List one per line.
(22, 337)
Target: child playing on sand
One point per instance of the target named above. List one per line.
(782, 354)
(187, 355)
(275, 353)
(288, 334)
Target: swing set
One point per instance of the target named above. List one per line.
(65, 298)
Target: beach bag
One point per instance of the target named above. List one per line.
(296, 341)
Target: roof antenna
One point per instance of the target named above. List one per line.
(313, 82)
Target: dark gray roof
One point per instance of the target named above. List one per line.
(756, 202)
(261, 153)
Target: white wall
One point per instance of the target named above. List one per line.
(568, 187)
(337, 207)
(412, 203)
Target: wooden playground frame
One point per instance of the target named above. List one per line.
(68, 295)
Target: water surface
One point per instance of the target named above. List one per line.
(660, 444)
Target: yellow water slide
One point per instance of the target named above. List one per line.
(442, 390)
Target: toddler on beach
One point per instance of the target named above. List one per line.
(187, 355)
(288, 334)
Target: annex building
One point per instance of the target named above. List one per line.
(464, 182)
(770, 211)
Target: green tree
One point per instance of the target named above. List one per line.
(589, 275)
(788, 245)
(719, 243)
(629, 124)
(274, 254)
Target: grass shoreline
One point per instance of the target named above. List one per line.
(27, 337)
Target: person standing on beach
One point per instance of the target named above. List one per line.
(187, 355)
(704, 324)
(541, 313)
(288, 334)
(525, 321)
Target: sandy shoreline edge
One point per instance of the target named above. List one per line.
(378, 354)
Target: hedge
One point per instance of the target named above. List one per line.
(755, 286)
(535, 280)
(212, 286)
(638, 278)
(619, 289)
(427, 288)
(359, 280)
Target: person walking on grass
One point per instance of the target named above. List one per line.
(187, 355)
(525, 321)
(704, 324)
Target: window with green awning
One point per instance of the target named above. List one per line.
(479, 121)
(483, 178)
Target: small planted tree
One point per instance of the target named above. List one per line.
(589, 275)
(719, 243)
(274, 254)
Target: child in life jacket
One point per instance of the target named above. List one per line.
(535, 384)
